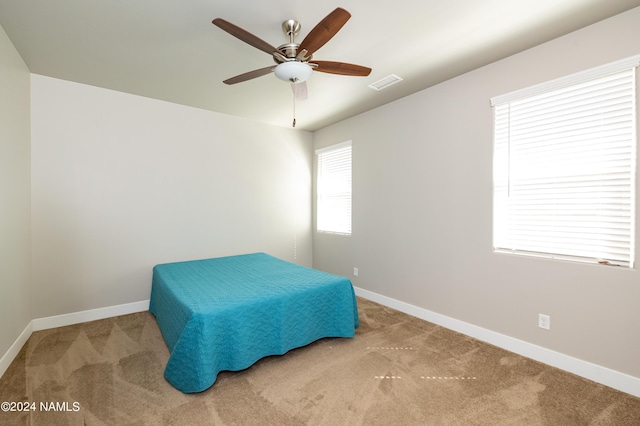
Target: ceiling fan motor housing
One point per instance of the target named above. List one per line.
(289, 50)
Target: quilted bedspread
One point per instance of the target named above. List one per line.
(227, 313)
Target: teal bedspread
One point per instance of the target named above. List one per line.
(227, 313)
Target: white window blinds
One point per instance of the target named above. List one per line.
(334, 189)
(564, 167)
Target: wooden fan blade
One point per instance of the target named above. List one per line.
(325, 30)
(249, 75)
(244, 35)
(342, 68)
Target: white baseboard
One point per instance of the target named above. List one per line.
(13, 351)
(597, 373)
(67, 319)
(90, 315)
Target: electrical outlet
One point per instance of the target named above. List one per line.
(544, 321)
(355, 272)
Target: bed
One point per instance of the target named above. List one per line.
(227, 313)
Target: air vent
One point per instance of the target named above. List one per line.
(385, 82)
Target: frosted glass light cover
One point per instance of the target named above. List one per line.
(293, 72)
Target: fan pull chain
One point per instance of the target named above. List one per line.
(294, 105)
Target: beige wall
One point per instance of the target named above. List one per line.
(422, 212)
(121, 183)
(15, 311)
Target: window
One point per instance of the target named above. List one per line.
(334, 189)
(564, 167)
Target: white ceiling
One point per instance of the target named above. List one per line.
(169, 49)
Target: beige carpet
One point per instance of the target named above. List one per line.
(398, 370)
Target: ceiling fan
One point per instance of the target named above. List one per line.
(294, 61)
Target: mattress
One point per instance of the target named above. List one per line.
(227, 313)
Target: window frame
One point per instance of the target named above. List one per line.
(340, 195)
(628, 65)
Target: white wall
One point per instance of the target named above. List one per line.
(422, 212)
(15, 311)
(121, 183)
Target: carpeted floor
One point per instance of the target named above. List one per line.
(398, 370)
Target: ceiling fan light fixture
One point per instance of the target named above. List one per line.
(293, 71)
